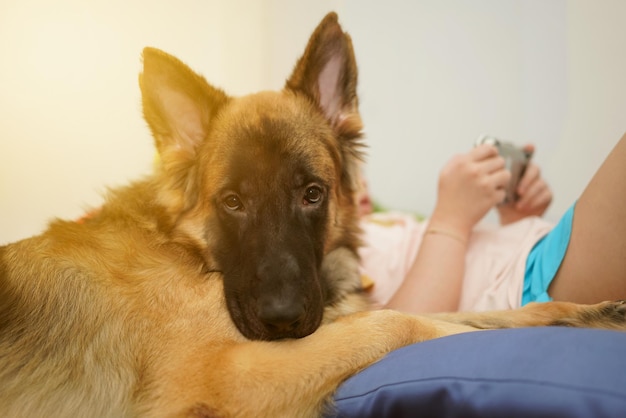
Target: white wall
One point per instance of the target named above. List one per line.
(434, 75)
(70, 117)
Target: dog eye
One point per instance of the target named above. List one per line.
(232, 202)
(312, 195)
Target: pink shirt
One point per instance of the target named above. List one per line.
(494, 265)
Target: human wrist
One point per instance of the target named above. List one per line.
(447, 233)
(450, 225)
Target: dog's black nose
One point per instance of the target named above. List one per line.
(280, 316)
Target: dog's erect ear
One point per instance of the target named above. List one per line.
(327, 74)
(178, 104)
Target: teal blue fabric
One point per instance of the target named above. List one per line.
(545, 259)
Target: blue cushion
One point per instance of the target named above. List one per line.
(529, 372)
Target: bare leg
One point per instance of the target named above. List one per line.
(594, 267)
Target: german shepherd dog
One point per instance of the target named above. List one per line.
(226, 283)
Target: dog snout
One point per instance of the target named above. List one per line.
(280, 316)
(280, 306)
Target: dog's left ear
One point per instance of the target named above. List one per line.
(327, 74)
(178, 104)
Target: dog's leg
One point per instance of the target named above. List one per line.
(292, 378)
(312, 368)
(605, 315)
(295, 377)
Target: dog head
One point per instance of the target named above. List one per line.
(263, 184)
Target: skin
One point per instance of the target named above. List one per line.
(470, 184)
(598, 228)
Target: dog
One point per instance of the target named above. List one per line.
(225, 284)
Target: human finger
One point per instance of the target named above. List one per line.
(492, 164)
(531, 175)
(500, 179)
(525, 199)
(537, 205)
(538, 196)
(483, 151)
(529, 148)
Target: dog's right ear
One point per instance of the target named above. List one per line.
(327, 74)
(178, 105)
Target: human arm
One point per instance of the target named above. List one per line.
(469, 185)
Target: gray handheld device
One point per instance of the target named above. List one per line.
(516, 160)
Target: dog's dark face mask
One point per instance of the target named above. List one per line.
(263, 183)
(272, 212)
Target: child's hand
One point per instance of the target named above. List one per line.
(534, 194)
(469, 185)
